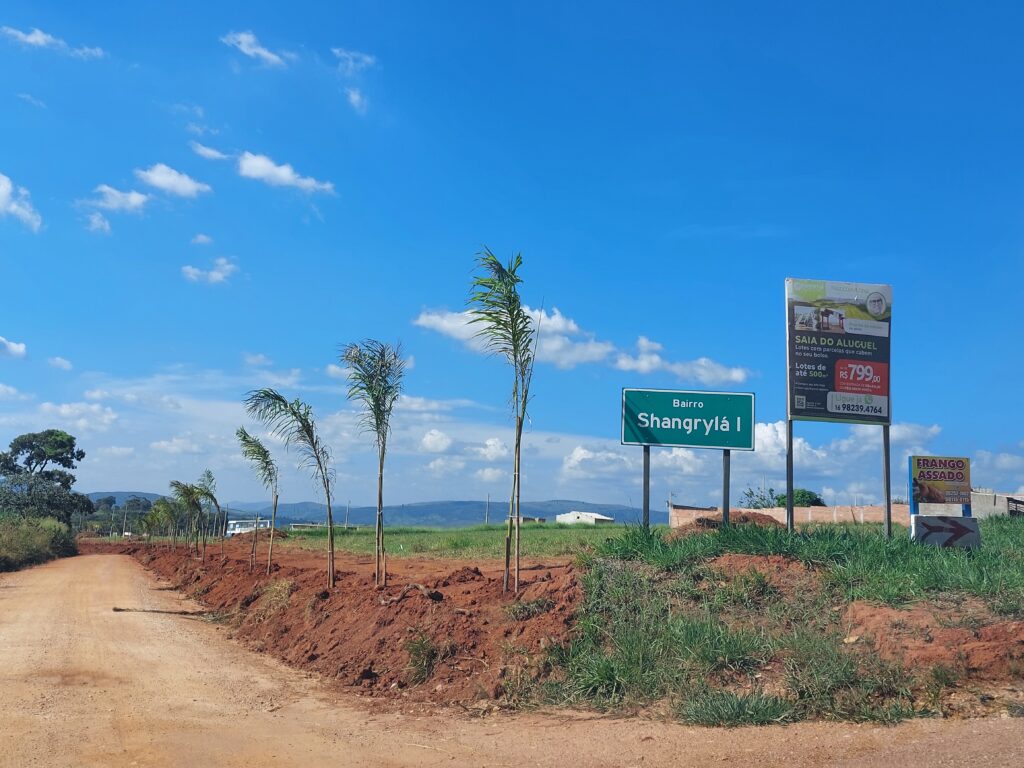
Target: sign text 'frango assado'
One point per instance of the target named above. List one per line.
(688, 419)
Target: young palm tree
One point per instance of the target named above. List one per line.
(507, 330)
(191, 499)
(294, 423)
(375, 373)
(266, 470)
(207, 486)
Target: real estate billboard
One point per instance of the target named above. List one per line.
(837, 344)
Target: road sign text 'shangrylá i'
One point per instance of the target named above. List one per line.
(688, 419)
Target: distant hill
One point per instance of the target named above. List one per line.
(123, 496)
(444, 514)
(434, 514)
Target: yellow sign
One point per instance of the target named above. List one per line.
(940, 479)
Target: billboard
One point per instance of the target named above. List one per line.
(837, 350)
(688, 419)
(940, 480)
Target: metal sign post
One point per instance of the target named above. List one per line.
(688, 419)
(647, 489)
(726, 455)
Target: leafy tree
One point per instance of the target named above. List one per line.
(294, 423)
(105, 503)
(375, 378)
(760, 498)
(265, 467)
(39, 453)
(507, 331)
(801, 498)
(34, 496)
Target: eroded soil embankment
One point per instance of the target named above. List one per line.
(442, 630)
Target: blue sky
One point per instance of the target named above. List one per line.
(198, 200)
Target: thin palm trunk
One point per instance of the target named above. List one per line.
(382, 568)
(330, 537)
(273, 525)
(255, 537)
(518, 486)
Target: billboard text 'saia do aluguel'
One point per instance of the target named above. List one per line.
(838, 338)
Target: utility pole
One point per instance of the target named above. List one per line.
(487, 510)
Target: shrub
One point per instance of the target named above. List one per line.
(25, 542)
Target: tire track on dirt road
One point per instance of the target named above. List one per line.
(84, 685)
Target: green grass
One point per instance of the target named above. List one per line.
(477, 542)
(25, 542)
(724, 708)
(857, 561)
(660, 623)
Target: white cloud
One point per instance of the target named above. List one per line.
(336, 371)
(352, 62)
(10, 393)
(199, 129)
(492, 449)
(28, 98)
(435, 441)
(98, 223)
(14, 201)
(86, 417)
(357, 100)
(61, 363)
(165, 178)
(564, 344)
(111, 199)
(208, 152)
(490, 474)
(201, 239)
(249, 44)
(36, 38)
(117, 451)
(704, 370)
(12, 348)
(446, 465)
(586, 464)
(96, 394)
(262, 168)
(176, 445)
(221, 270)
(455, 325)
(257, 360)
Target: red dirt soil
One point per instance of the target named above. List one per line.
(714, 522)
(963, 638)
(349, 634)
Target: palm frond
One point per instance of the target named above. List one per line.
(293, 422)
(259, 456)
(376, 371)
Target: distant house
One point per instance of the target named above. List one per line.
(583, 518)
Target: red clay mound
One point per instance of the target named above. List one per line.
(442, 620)
(782, 573)
(714, 522)
(926, 635)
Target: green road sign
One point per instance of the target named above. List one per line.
(685, 419)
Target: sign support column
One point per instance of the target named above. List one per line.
(647, 489)
(726, 455)
(789, 475)
(887, 481)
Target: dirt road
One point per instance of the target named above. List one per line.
(102, 666)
